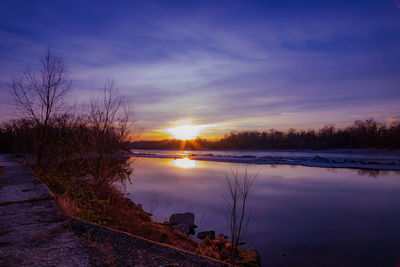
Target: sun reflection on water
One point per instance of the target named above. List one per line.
(185, 163)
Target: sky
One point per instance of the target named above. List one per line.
(223, 65)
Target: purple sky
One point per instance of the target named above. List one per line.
(232, 65)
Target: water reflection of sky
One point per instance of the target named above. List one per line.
(317, 216)
(185, 163)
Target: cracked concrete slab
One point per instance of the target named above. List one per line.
(33, 231)
(23, 192)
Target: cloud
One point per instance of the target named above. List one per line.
(240, 65)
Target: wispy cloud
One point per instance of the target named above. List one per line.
(238, 65)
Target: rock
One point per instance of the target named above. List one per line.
(183, 228)
(192, 231)
(182, 218)
(185, 219)
(253, 257)
(204, 234)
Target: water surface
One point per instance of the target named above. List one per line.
(317, 216)
(338, 153)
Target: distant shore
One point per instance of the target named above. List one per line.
(385, 160)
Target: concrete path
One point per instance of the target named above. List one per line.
(34, 232)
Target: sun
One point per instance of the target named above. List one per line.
(185, 132)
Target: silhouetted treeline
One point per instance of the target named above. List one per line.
(66, 134)
(361, 134)
(174, 144)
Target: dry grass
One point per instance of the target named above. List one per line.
(108, 207)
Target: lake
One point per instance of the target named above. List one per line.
(317, 216)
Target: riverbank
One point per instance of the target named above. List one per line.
(107, 207)
(34, 232)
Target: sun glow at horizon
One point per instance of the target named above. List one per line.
(186, 131)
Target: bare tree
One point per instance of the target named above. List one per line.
(236, 214)
(111, 120)
(39, 95)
